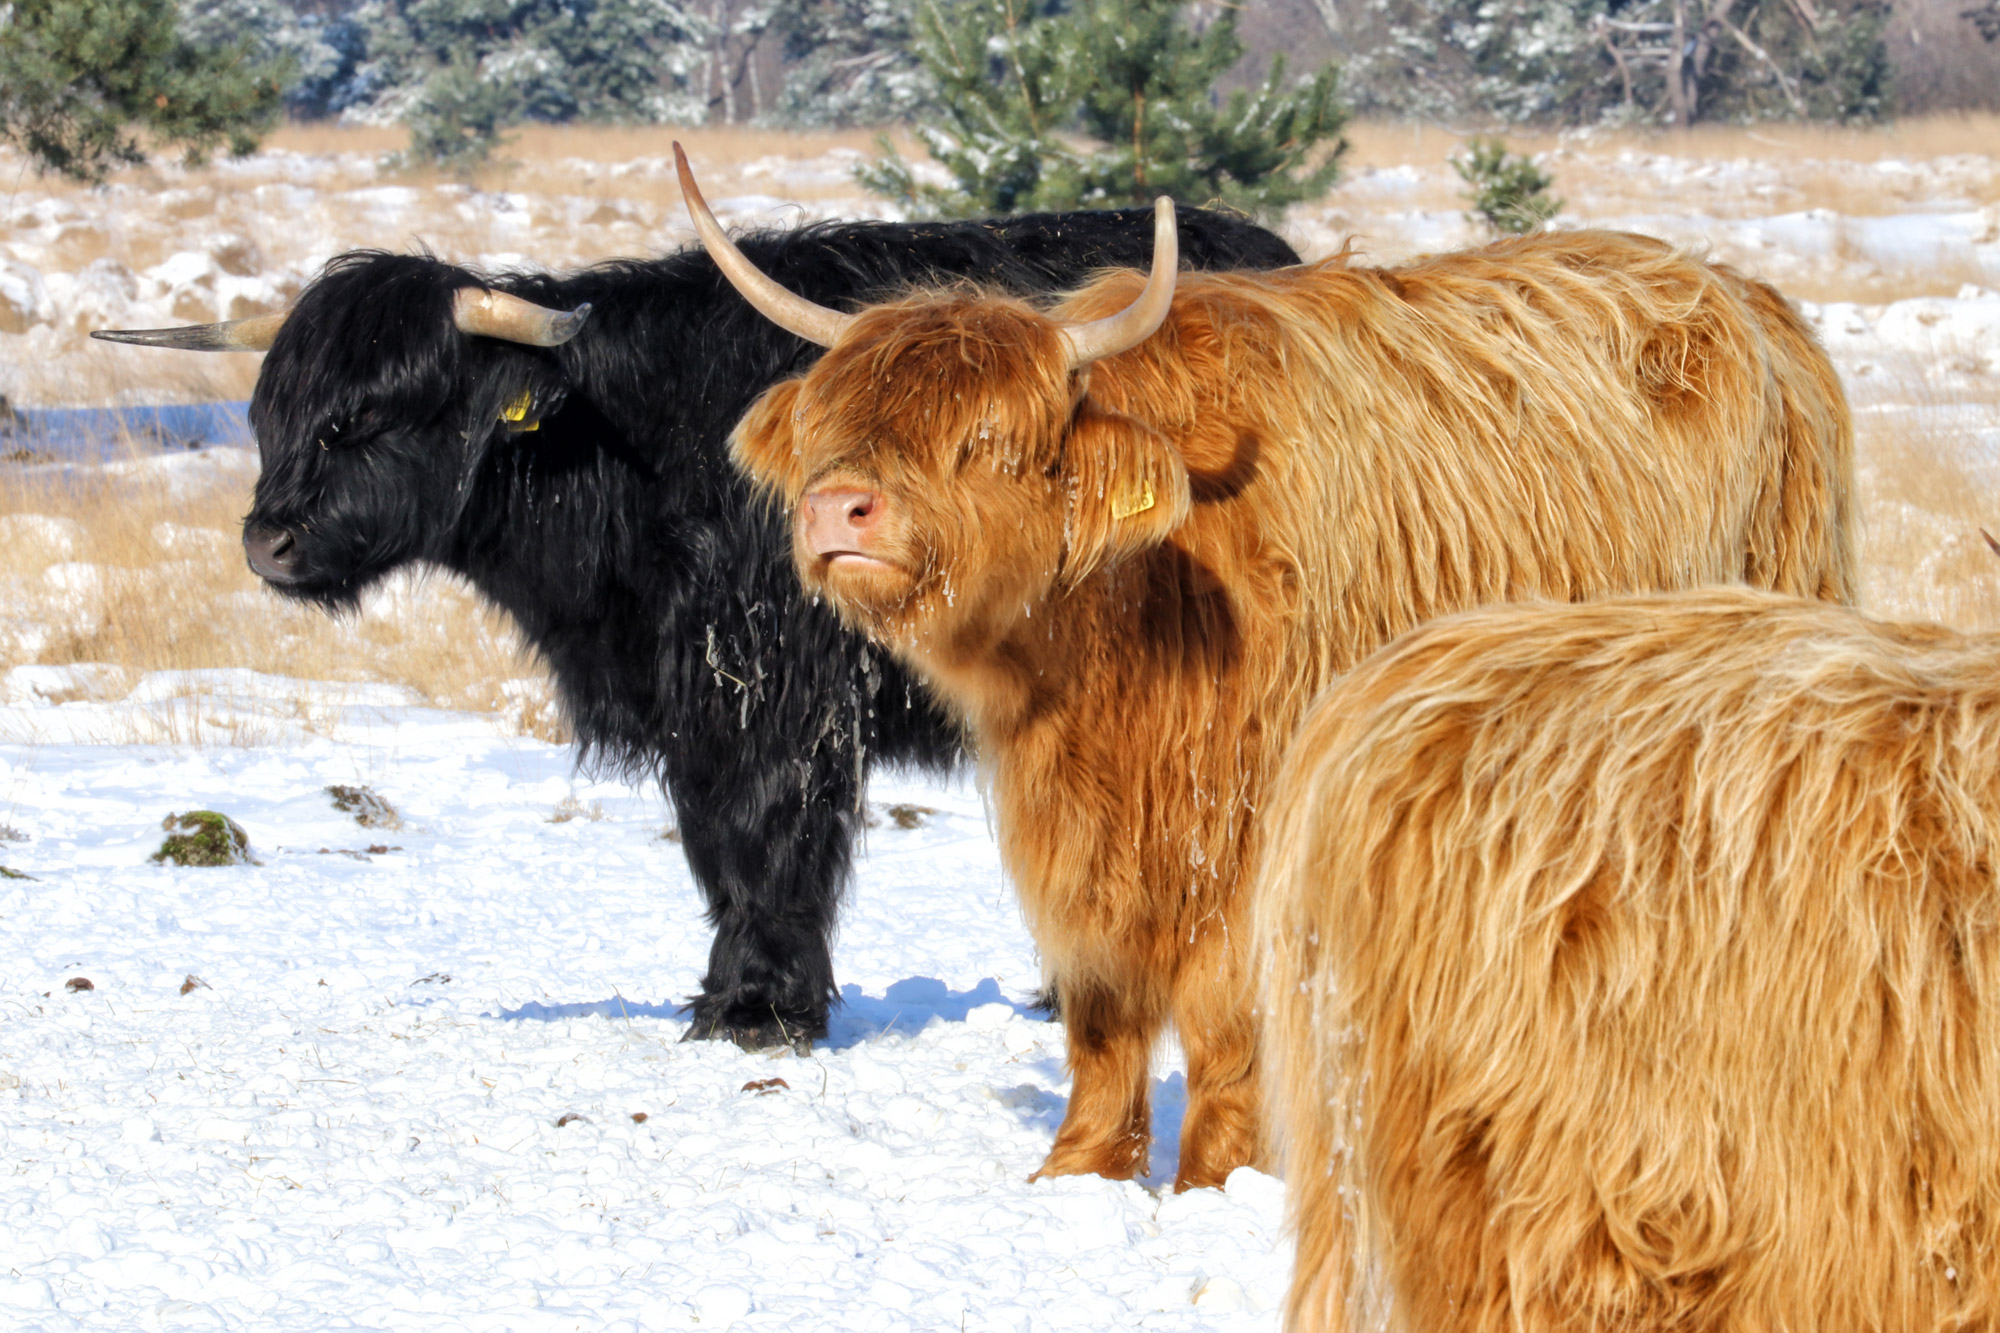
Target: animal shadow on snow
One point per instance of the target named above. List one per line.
(909, 1004)
(905, 1007)
(615, 1007)
(912, 1002)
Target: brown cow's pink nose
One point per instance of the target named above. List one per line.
(841, 520)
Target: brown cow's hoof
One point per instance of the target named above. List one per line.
(1114, 1161)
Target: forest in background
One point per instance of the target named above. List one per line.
(1024, 103)
(824, 63)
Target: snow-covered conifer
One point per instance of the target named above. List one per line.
(81, 81)
(1106, 102)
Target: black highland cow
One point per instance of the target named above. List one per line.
(586, 487)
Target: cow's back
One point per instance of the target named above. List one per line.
(1560, 417)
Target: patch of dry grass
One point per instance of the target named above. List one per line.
(1386, 144)
(116, 375)
(1929, 481)
(138, 568)
(160, 244)
(134, 252)
(1848, 274)
(1725, 171)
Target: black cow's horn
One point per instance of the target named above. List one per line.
(473, 310)
(494, 314)
(254, 334)
(787, 309)
(1099, 338)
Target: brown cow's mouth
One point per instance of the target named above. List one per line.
(856, 562)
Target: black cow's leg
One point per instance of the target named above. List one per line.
(770, 847)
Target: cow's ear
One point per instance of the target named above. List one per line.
(765, 443)
(519, 392)
(1127, 489)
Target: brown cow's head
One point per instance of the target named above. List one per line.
(945, 466)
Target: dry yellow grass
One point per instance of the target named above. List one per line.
(1928, 485)
(1849, 276)
(1725, 171)
(160, 243)
(1382, 144)
(138, 567)
(563, 196)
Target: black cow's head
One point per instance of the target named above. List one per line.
(384, 388)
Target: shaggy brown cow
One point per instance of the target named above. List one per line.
(1636, 965)
(1130, 577)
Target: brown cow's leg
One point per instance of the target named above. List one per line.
(1111, 1031)
(1222, 1128)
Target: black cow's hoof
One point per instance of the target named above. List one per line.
(773, 1033)
(773, 1038)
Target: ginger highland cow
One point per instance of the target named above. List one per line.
(1130, 538)
(1636, 966)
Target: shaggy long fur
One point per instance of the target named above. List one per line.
(631, 554)
(1636, 966)
(1131, 581)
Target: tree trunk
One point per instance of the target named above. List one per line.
(1680, 101)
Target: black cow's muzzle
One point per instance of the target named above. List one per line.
(273, 554)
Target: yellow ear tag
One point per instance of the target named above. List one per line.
(518, 411)
(1127, 505)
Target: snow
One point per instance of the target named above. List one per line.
(432, 1076)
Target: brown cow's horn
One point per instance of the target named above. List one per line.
(788, 310)
(500, 315)
(1136, 322)
(254, 334)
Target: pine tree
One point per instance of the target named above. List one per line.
(82, 80)
(1103, 103)
(1507, 190)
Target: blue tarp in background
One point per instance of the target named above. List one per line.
(105, 432)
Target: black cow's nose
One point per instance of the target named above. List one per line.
(273, 553)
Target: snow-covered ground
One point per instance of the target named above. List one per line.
(440, 1084)
(431, 1076)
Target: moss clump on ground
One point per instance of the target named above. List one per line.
(8, 872)
(203, 838)
(368, 806)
